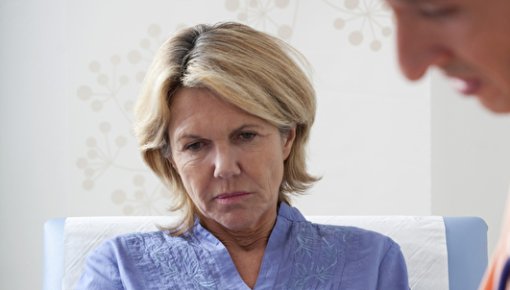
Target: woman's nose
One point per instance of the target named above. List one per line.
(419, 49)
(226, 162)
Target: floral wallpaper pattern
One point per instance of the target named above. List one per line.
(367, 20)
(109, 168)
(102, 150)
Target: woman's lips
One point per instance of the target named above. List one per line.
(467, 86)
(231, 196)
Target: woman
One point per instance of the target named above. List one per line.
(223, 119)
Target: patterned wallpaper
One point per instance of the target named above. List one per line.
(361, 144)
(110, 148)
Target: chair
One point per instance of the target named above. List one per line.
(465, 242)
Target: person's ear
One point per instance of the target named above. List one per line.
(172, 163)
(288, 141)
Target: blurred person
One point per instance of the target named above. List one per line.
(468, 40)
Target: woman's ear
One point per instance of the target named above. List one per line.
(167, 154)
(172, 163)
(174, 166)
(288, 141)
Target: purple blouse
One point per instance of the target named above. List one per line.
(299, 255)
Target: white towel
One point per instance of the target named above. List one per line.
(422, 240)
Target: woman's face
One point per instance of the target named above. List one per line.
(230, 162)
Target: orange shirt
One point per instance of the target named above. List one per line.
(500, 255)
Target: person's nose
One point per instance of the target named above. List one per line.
(226, 162)
(418, 49)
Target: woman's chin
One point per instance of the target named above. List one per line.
(230, 222)
(238, 223)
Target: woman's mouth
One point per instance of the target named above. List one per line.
(231, 197)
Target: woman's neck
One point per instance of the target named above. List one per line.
(245, 247)
(244, 239)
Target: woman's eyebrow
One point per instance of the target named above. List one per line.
(247, 126)
(187, 136)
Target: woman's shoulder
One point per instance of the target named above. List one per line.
(354, 238)
(135, 258)
(367, 255)
(344, 231)
(154, 237)
(356, 233)
(134, 243)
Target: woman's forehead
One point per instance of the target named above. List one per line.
(199, 109)
(199, 100)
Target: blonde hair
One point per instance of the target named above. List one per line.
(247, 68)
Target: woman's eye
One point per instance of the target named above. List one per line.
(247, 136)
(195, 146)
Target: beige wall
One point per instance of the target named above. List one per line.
(34, 144)
(70, 71)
